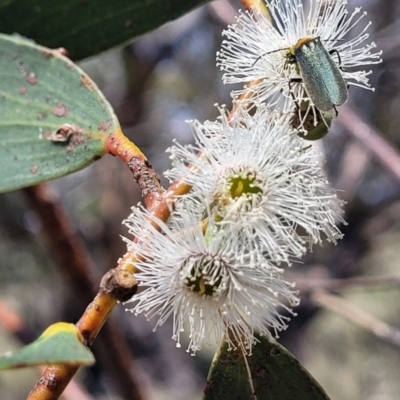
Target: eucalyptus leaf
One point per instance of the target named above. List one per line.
(53, 118)
(270, 373)
(61, 343)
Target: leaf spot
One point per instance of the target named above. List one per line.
(22, 68)
(46, 134)
(63, 51)
(47, 53)
(41, 116)
(31, 78)
(22, 90)
(76, 139)
(275, 352)
(104, 126)
(60, 110)
(34, 169)
(86, 81)
(63, 133)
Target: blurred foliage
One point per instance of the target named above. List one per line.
(154, 85)
(86, 28)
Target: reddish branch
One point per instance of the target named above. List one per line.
(70, 256)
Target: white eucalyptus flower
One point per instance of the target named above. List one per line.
(257, 178)
(206, 281)
(258, 50)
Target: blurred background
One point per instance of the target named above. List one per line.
(155, 84)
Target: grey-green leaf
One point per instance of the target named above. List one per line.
(85, 28)
(272, 373)
(53, 118)
(61, 343)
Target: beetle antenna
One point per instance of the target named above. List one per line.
(269, 52)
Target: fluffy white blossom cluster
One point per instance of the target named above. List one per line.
(206, 279)
(260, 181)
(259, 198)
